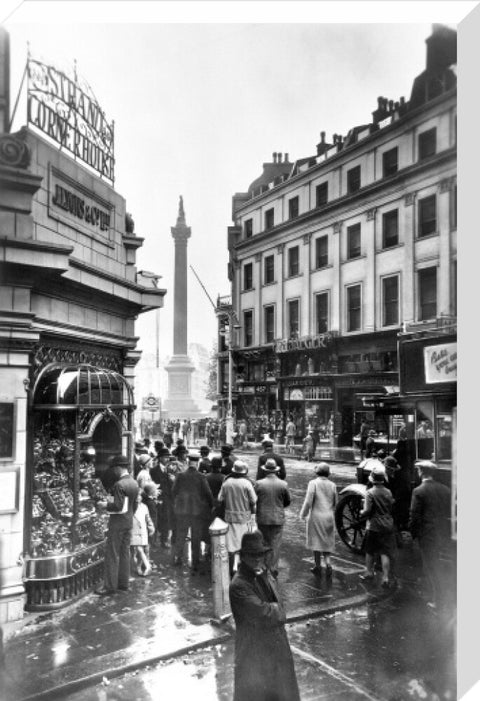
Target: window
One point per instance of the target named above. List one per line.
(293, 261)
(390, 300)
(269, 219)
(427, 216)
(248, 228)
(353, 242)
(321, 312)
(390, 228)
(390, 162)
(321, 194)
(248, 327)
(354, 308)
(293, 319)
(248, 276)
(269, 313)
(353, 179)
(321, 252)
(293, 208)
(427, 144)
(269, 269)
(427, 294)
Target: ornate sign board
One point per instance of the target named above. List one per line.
(322, 340)
(68, 113)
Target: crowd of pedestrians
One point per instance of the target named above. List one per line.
(173, 495)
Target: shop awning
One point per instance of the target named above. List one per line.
(80, 385)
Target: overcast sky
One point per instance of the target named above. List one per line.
(199, 107)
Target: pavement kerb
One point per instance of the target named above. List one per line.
(91, 680)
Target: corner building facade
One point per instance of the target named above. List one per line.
(69, 296)
(332, 255)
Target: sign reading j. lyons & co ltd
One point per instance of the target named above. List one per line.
(70, 115)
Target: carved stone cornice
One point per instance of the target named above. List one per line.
(14, 150)
(447, 184)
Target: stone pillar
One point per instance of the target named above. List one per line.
(181, 233)
(220, 571)
(180, 368)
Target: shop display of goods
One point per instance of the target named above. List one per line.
(38, 507)
(86, 470)
(59, 502)
(50, 537)
(96, 489)
(98, 527)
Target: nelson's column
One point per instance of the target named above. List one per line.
(179, 404)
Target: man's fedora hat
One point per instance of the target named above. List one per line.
(204, 449)
(239, 468)
(119, 461)
(253, 544)
(267, 440)
(227, 448)
(270, 466)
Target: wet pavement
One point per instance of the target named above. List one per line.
(349, 641)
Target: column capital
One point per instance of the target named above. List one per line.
(371, 213)
(447, 184)
(280, 247)
(307, 238)
(337, 227)
(258, 257)
(410, 198)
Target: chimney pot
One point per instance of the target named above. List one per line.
(380, 102)
(286, 158)
(279, 157)
(274, 156)
(402, 100)
(322, 136)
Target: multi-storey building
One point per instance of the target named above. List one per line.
(332, 255)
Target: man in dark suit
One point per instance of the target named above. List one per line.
(192, 503)
(273, 496)
(267, 454)
(120, 506)
(429, 523)
(227, 458)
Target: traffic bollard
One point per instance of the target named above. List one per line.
(220, 571)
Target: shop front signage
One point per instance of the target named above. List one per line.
(151, 403)
(322, 340)
(440, 363)
(67, 112)
(78, 207)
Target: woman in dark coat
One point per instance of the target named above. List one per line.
(264, 669)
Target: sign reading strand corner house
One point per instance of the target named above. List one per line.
(440, 363)
(68, 113)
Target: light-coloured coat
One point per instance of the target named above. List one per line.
(319, 510)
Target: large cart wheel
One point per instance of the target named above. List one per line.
(347, 515)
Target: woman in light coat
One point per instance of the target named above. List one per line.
(319, 511)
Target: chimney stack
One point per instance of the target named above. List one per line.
(274, 156)
(286, 158)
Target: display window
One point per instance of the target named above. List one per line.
(80, 417)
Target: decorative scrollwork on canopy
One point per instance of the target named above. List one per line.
(14, 150)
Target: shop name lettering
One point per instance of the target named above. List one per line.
(444, 361)
(75, 205)
(61, 110)
(320, 341)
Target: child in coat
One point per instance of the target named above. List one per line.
(141, 529)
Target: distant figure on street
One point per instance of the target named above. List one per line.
(290, 430)
(370, 447)
(364, 428)
(380, 530)
(308, 447)
(267, 445)
(319, 511)
(242, 433)
(120, 508)
(272, 498)
(264, 669)
(204, 464)
(429, 524)
(143, 475)
(240, 501)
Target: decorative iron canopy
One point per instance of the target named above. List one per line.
(81, 385)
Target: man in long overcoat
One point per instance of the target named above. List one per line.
(429, 523)
(267, 445)
(264, 669)
(192, 503)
